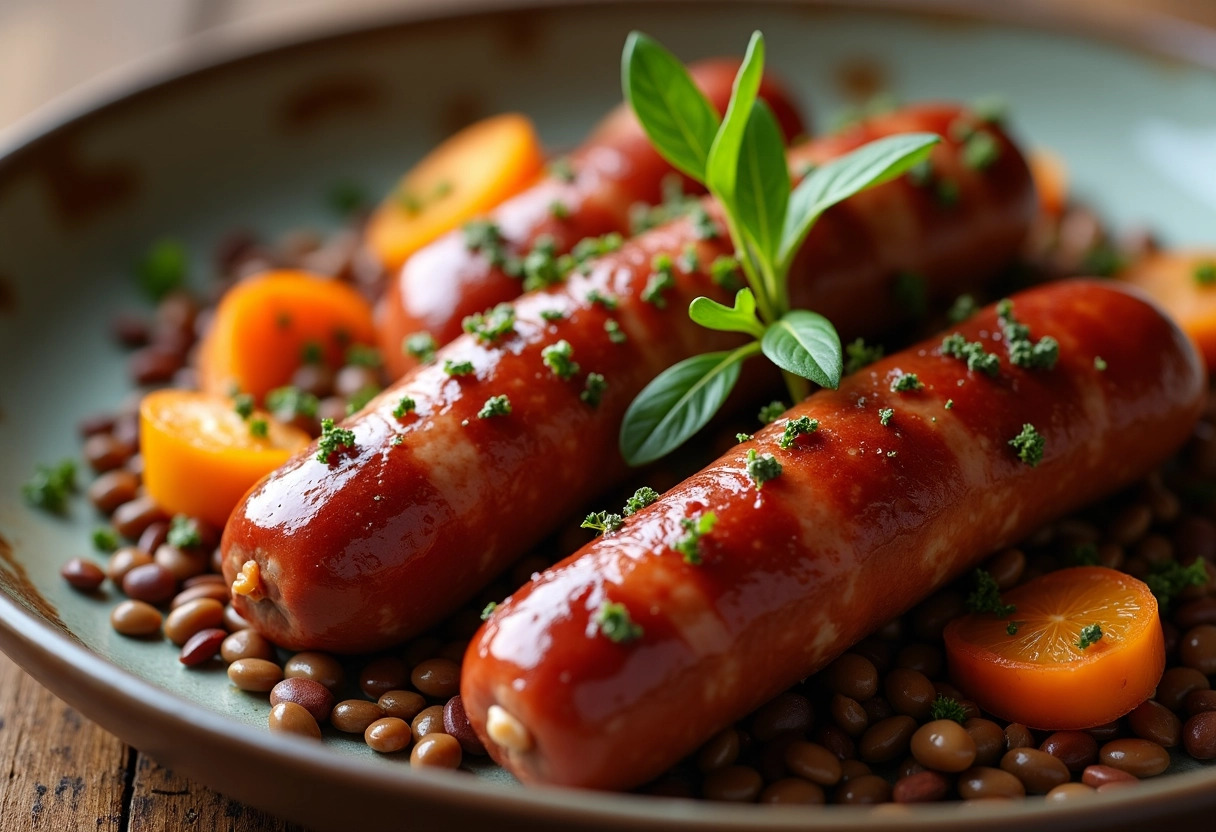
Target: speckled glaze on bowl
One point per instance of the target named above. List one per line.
(251, 132)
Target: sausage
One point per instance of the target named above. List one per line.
(615, 169)
(863, 521)
(392, 534)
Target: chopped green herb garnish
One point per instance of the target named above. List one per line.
(421, 346)
(485, 237)
(1029, 444)
(488, 610)
(978, 359)
(795, 428)
(362, 355)
(1205, 273)
(50, 486)
(287, 403)
(259, 428)
(689, 544)
(559, 210)
(615, 334)
(184, 532)
(333, 439)
(981, 150)
(105, 539)
(405, 406)
(858, 354)
(492, 324)
(689, 260)
(495, 406)
(616, 625)
(242, 403)
(884, 416)
(1090, 634)
(986, 597)
(593, 389)
(541, 267)
(1169, 579)
(1099, 363)
(641, 498)
(1022, 351)
(762, 468)
(1103, 260)
(559, 359)
(949, 404)
(964, 307)
(771, 412)
(597, 298)
(458, 368)
(703, 225)
(398, 440)
(944, 707)
(602, 521)
(562, 169)
(552, 315)
(744, 437)
(1012, 628)
(905, 382)
(726, 272)
(312, 353)
(662, 279)
(162, 269)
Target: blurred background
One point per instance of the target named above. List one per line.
(48, 47)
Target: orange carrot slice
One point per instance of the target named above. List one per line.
(1040, 675)
(200, 456)
(1050, 180)
(1184, 282)
(467, 175)
(264, 325)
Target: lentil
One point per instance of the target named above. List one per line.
(1176, 683)
(436, 678)
(290, 718)
(151, 538)
(1197, 649)
(1069, 792)
(852, 768)
(149, 582)
(1100, 775)
(888, 739)
(255, 675)
(864, 790)
(793, 791)
(309, 695)
(1018, 735)
(201, 647)
(852, 675)
(382, 675)
(136, 618)
(353, 716)
(989, 740)
(112, 489)
(1154, 722)
(211, 590)
(1140, 758)
(1075, 749)
(922, 787)
(320, 667)
(943, 745)
(403, 704)
(1039, 771)
(191, 617)
(82, 574)
(1200, 701)
(849, 715)
(436, 751)
(720, 751)
(428, 721)
(812, 762)
(982, 781)
(456, 723)
(134, 516)
(787, 713)
(1199, 736)
(246, 644)
(910, 692)
(124, 560)
(181, 563)
(388, 735)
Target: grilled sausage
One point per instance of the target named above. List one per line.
(864, 520)
(381, 540)
(614, 170)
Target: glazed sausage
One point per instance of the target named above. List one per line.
(864, 520)
(383, 539)
(615, 169)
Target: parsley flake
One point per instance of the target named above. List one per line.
(977, 358)
(689, 544)
(492, 324)
(495, 406)
(726, 272)
(771, 412)
(332, 440)
(1022, 351)
(884, 416)
(662, 279)
(689, 260)
(795, 428)
(1029, 444)
(1100, 364)
(986, 597)
(641, 498)
(488, 610)
(49, 487)
(905, 382)
(1011, 629)
(311, 353)
(1205, 273)
(242, 403)
(762, 468)
(287, 403)
(540, 267)
(1090, 634)
(458, 368)
(602, 521)
(593, 390)
(744, 437)
(259, 428)
(964, 307)
(615, 334)
(105, 539)
(981, 150)
(405, 406)
(360, 399)
(945, 707)
(184, 532)
(858, 354)
(562, 170)
(559, 359)
(362, 355)
(615, 624)
(597, 298)
(552, 315)
(703, 225)
(162, 269)
(949, 404)
(421, 346)
(1168, 580)
(559, 210)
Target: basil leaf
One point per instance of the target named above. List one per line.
(871, 164)
(674, 113)
(740, 318)
(678, 403)
(720, 173)
(762, 190)
(806, 344)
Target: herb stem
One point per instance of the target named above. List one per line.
(798, 387)
(759, 285)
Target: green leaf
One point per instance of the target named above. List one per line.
(872, 164)
(739, 318)
(678, 403)
(674, 113)
(722, 168)
(762, 190)
(806, 344)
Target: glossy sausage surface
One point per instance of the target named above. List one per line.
(615, 169)
(384, 540)
(865, 520)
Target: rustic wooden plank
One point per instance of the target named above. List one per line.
(58, 771)
(162, 800)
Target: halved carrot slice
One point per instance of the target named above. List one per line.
(264, 325)
(1050, 177)
(200, 456)
(1184, 282)
(1046, 675)
(467, 175)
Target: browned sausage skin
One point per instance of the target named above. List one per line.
(386, 538)
(613, 170)
(864, 520)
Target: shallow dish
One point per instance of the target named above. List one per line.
(253, 135)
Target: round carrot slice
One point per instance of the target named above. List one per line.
(467, 175)
(1045, 664)
(1184, 282)
(200, 456)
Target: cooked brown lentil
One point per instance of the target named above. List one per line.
(436, 751)
(112, 489)
(1153, 721)
(82, 574)
(428, 721)
(352, 716)
(921, 787)
(983, 781)
(1075, 749)
(290, 718)
(403, 704)
(201, 647)
(255, 675)
(309, 695)
(456, 722)
(1199, 736)
(123, 560)
(191, 617)
(388, 735)
(436, 678)
(382, 675)
(136, 618)
(943, 745)
(149, 582)
(1039, 771)
(793, 791)
(813, 762)
(320, 667)
(1141, 758)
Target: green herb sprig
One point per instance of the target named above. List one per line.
(740, 158)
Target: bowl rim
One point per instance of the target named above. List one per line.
(46, 652)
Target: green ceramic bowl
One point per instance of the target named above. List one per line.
(253, 133)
